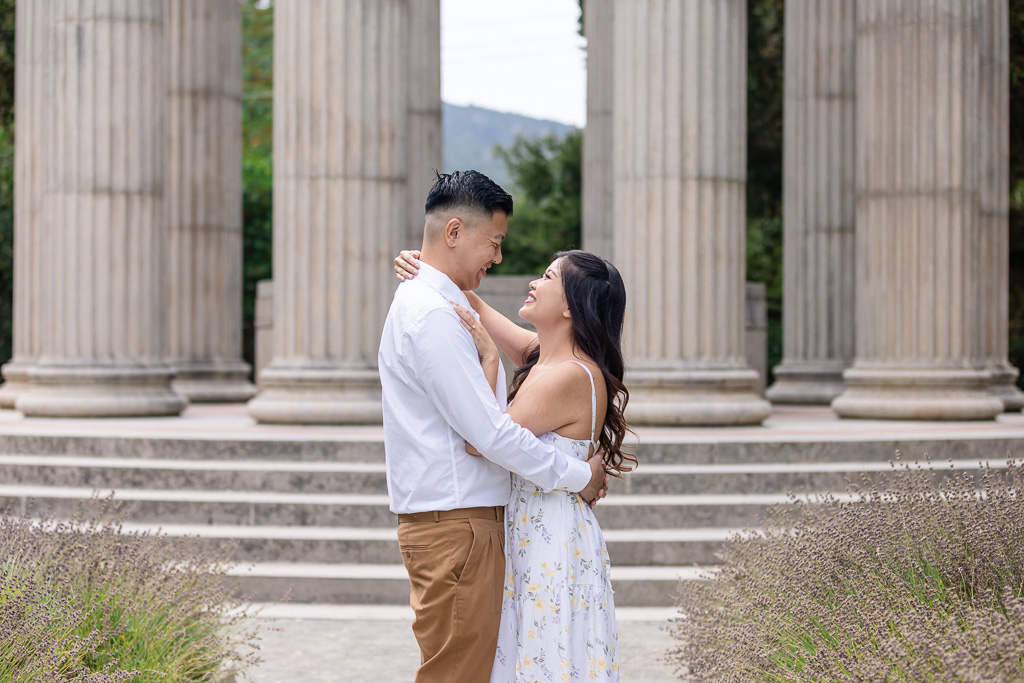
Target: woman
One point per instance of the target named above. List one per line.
(558, 615)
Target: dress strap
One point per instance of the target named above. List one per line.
(593, 399)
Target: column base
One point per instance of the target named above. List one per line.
(16, 382)
(100, 391)
(214, 382)
(807, 383)
(697, 397)
(1004, 386)
(318, 396)
(917, 394)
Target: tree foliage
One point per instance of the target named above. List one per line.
(765, 23)
(1017, 185)
(6, 61)
(6, 177)
(6, 240)
(257, 157)
(547, 185)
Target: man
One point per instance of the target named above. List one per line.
(450, 503)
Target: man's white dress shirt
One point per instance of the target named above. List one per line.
(436, 398)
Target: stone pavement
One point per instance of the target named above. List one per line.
(787, 424)
(380, 648)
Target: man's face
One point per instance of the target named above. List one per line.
(479, 247)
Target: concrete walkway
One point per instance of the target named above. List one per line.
(312, 644)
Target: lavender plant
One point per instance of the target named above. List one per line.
(916, 577)
(84, 601)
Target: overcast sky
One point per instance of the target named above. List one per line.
(521, 56)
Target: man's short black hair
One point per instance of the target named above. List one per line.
(470, 189)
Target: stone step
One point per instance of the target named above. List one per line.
(755, 478)
(359, 445)
(940, 442)
(388, 584)
(371, 510)
(367, 478)
(626, 547)
(365, 445)
(179, 474)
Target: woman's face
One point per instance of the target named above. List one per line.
(545, 304)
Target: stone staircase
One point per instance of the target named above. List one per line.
(310, 518)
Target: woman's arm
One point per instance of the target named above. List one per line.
(510, 338)
(485, 347)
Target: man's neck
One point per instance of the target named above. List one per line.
(436, 261)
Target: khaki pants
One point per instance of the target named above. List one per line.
(456, 564)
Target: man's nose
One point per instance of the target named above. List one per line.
(497, 257)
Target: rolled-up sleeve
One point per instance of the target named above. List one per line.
(442, 356)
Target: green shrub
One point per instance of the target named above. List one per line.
(916, 577)
(84, 601)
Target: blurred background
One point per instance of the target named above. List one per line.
(514, 109)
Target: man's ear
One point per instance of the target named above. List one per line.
(452, 230)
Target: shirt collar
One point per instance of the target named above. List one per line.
(435, 279)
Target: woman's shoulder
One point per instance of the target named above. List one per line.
(563, 375)
(571, 377)
(583, 366)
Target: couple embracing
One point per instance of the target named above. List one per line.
(509, 573)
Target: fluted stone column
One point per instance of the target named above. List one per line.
(34, 30)
(994, 198)
(101, 346)
(920, 353)
(341, 115)
(203, 200)
(679, 206)
(598, 178)
(819, 193)
(426, 152)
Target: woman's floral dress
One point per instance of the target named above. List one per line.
(557, 612)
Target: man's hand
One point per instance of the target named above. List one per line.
(598, 486)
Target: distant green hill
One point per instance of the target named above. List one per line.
(470, 134)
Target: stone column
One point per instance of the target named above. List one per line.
(341, 113)
(679, 206)
(424, 138)
(994, 226)
(598, 218)
(920, 353)
(101, 332)
(33, 29)
(818, 201)
(203, 199)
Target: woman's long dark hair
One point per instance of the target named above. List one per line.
(597, 302)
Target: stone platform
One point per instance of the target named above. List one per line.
(306, 507)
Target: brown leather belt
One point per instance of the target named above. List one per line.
(497, 513)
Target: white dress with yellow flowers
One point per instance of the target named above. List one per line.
(557, 612)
